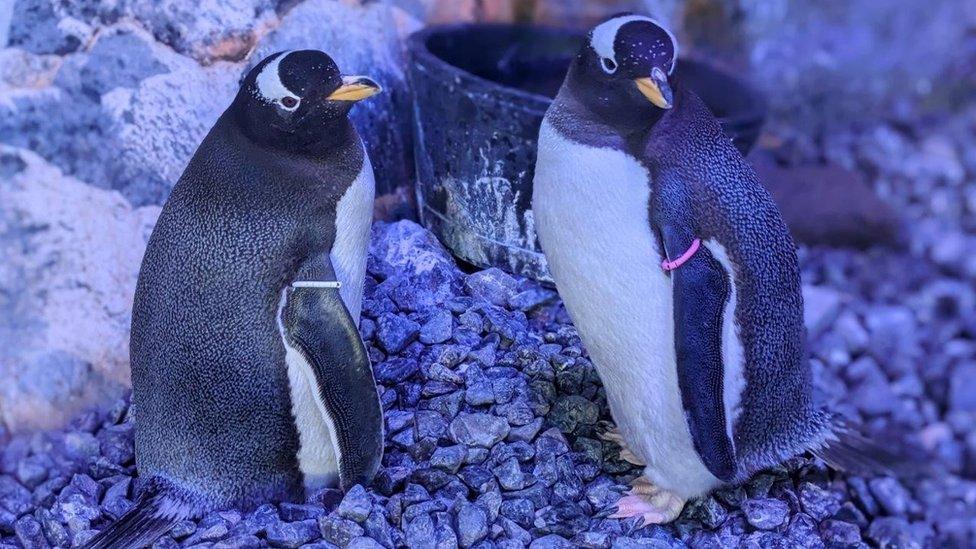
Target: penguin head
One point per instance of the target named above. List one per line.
(622, 71)
(297, 97)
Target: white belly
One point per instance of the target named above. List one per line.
(591, 213)
(318, 455)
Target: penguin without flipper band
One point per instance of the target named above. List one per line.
(668, 265)
(315, 284)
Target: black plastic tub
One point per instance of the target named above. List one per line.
(480, 92)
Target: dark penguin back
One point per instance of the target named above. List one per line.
(210, 384)
(694, 163)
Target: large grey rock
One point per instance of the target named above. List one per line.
(43, 26)
(160, 123)
(209, 30)
(206, 31)
(71, 256)
(129, 113)
(20, 69)
(76, 139)
(121, 57)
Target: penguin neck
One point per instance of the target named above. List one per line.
(333, 135)
(339, 135)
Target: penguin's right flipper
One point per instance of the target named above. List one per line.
(319, 326)
(701, 289)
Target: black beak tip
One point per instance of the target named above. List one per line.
(366, 81)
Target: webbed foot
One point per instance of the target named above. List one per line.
(654, 505)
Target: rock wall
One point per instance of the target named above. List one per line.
(71, 254)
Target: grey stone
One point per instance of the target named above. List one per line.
(395, 370)
(448, 458)
(509, 475)
(395, 332)
(551, 541)
(391, 479)
(477, 478)
(378, 529)
(525, 432)
(292, 534)
(840, 534)
(492, 285)
(821, 306)
(765, 513)
(891, 533)
(363, 542)
(890, 494)
(592, 540)
(531, 298)
(571, 411)
(893, 329)
(420, 532)
(519, 510)
(478, 388)
(778, 39)
(437, 329)
(356, 505)
(29, 533)
(243, 541)
(292, 512)
(478, 429)
(818, 502)
(430, 424)
(338, 530)
(32, 471)
(472, 524)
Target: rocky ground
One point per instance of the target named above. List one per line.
(493, 410)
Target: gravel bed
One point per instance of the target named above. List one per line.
(493, 410)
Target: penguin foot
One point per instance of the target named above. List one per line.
(652, 504)
(615, 437)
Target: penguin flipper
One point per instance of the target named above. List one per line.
(701, 289)
(320, 327)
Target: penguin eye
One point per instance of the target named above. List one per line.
(289, 102)
(609, 65)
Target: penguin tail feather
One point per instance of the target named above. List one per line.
(154, 514)
(850, 451)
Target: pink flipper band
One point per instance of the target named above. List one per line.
(672, 265)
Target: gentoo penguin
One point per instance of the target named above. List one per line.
(250, 380)
(679, 273)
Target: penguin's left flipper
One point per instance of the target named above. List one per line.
(319, 326)
(701, 288)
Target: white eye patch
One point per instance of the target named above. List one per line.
(605, 34)
(270, 88)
